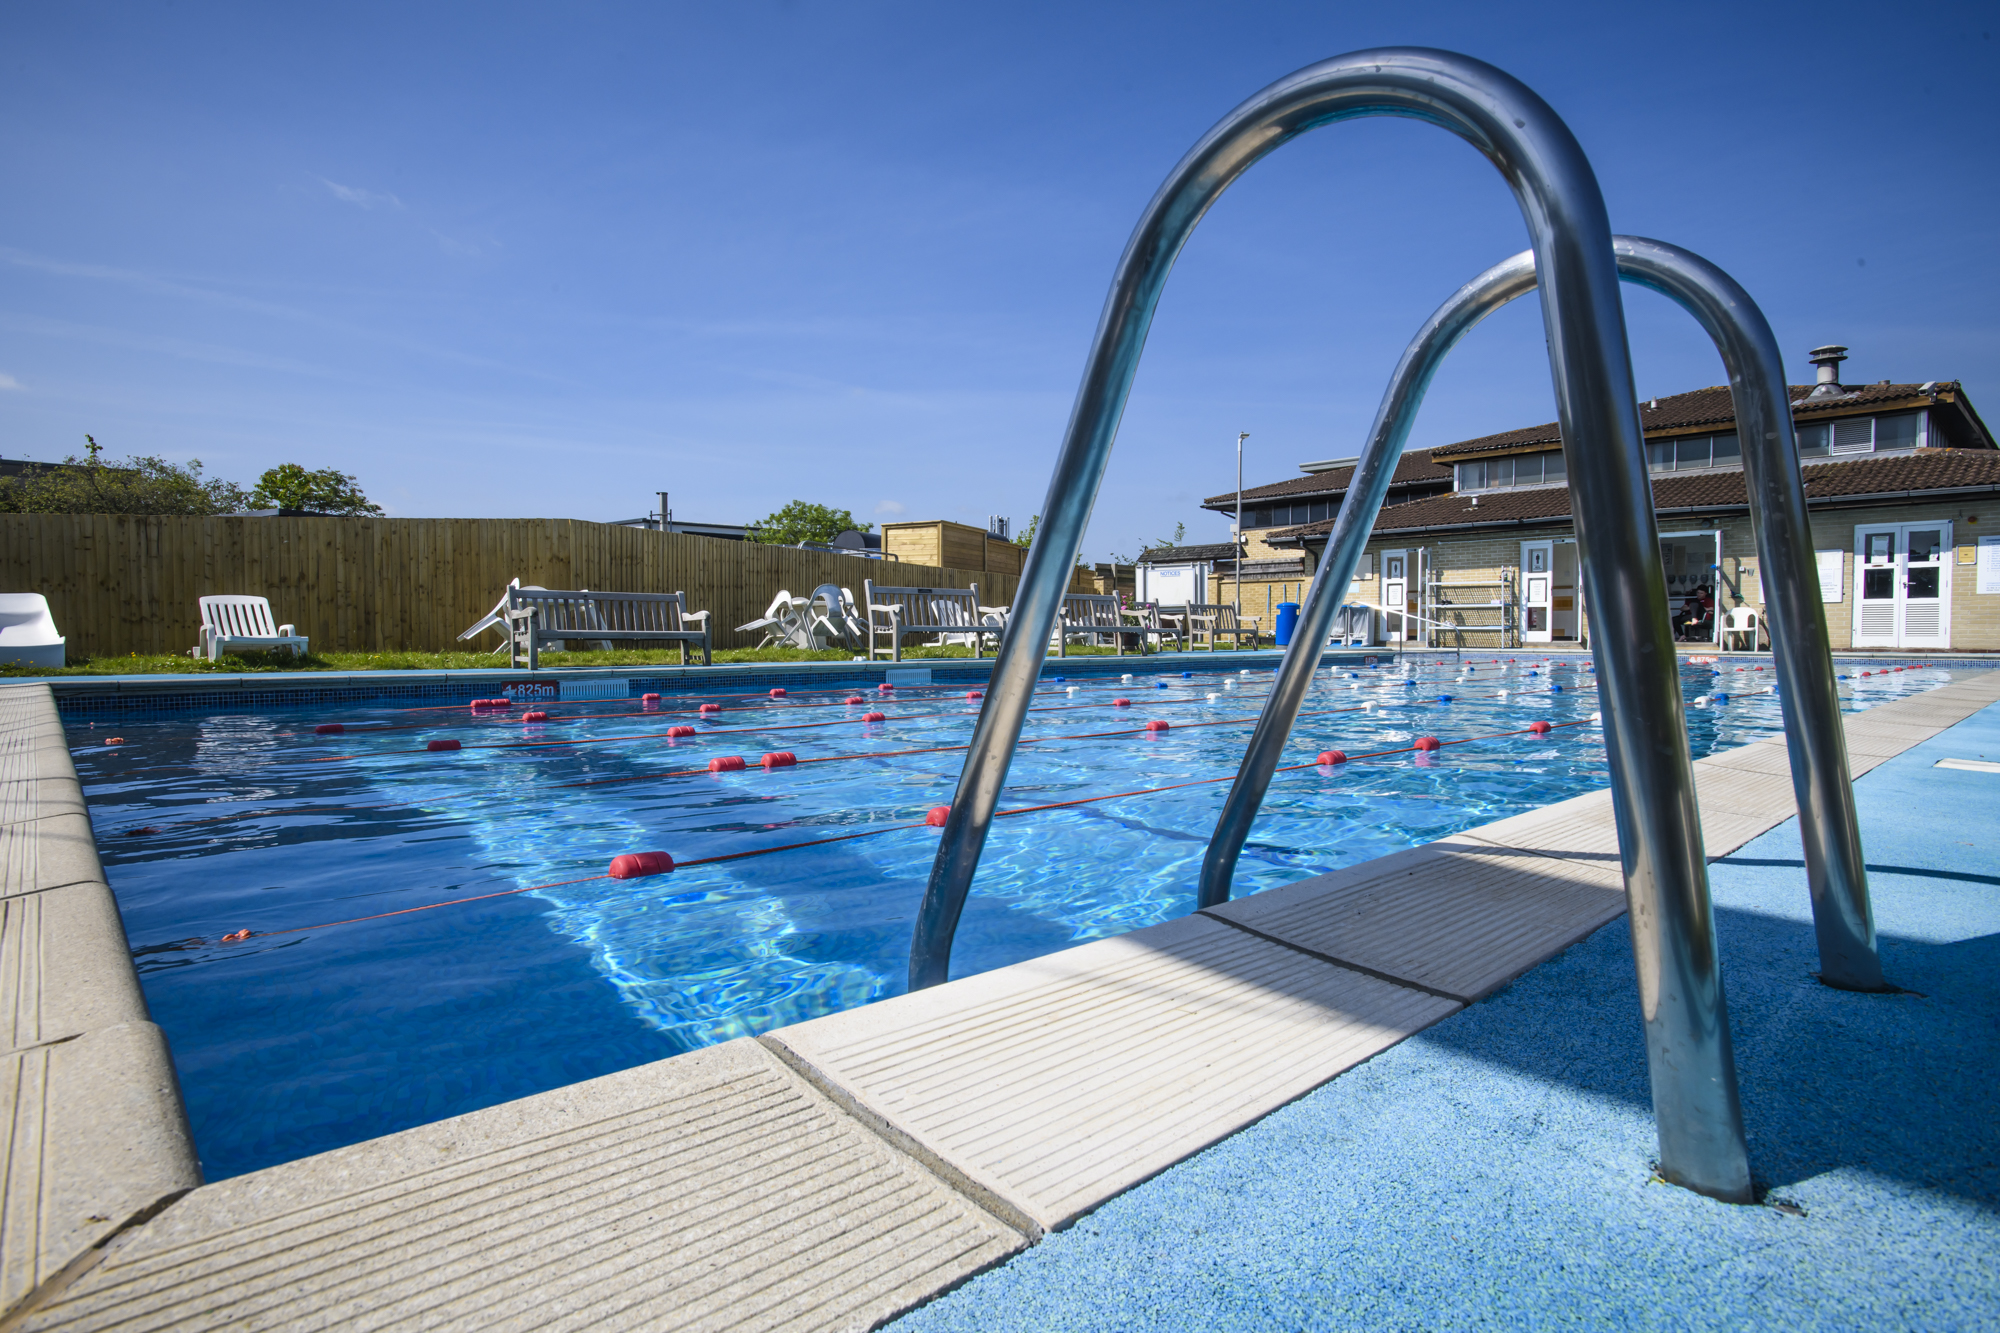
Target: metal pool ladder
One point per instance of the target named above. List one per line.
(1693, 1071)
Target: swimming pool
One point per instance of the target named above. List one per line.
(431, 931)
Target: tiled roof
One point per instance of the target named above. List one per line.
(1414, 468)
(1712, 406)
(1180, 555)
(1925, 470)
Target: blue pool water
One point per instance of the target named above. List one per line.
(473, 971)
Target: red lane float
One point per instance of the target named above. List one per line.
(885, 687)
(856, 699)
(779, 759)
(1331, 757)
(649, 698)
(777, 694)
(236, 937)
(442, 744)
(874, 717)
(329, 729)
(726, 764)
(1539, 728)
(1158, 724)
(938, 814)
(710, 708)
(674, 732)
(975, 694)
(1425, 744)
(536, 716)
(637, 865)
(1121, 703)
(120, 740)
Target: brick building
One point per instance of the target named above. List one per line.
(1475, 546)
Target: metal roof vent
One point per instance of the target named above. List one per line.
(1828, 360)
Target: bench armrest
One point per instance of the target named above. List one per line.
(288, 631)
(896, 611)
(702, 616)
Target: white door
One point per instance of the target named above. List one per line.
(1395, 593)
(1926, 586)
(1537, 592)
(1902, 585)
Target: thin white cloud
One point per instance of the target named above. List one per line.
(360, 198)
(888, 507)
(9, 382)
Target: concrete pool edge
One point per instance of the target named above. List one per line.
(1053, 1085)
(96, 1136)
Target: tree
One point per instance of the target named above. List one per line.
(804, 521)
(143, 484)
(1026, 536)
(327, 491)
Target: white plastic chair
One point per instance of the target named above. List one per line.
(28, 632)
(231, 624)
(787, 623)
(1739, 620)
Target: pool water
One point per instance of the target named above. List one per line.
(433, 932)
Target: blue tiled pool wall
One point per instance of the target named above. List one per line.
(229, 695)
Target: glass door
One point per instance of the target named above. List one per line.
(1902, 585)
(1875, 559)
(1395, 593)
(1926, 586)
(1537, 592)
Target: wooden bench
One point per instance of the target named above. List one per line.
(1093, 616)
(536, 616)
(947, 612)
(1212, 621)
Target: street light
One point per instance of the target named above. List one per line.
(1240, 437)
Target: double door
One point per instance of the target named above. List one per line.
(1902, 585)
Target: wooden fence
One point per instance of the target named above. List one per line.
(121, 584)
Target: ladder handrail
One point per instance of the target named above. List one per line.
(1836, 874)
(1694, 1077)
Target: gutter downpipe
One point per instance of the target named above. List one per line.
(1693, 1071)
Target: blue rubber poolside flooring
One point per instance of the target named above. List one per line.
(1494, 1172)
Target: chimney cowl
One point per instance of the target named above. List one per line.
(1828, 359)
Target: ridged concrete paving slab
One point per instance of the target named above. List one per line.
(61, 973)
(96, 1141)
(1055, 1084)
(715, 1190)
(1460, 917)
(92, 1133)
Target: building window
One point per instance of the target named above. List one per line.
(1290, 515)
(1692, 453)
(1861, 435)
(1503, 474)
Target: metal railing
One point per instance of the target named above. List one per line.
(1836, 877)
(1694, 1076)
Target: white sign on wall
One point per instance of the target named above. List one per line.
(1989, 564)
(1832, 571)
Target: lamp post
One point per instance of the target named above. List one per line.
(1241, 436)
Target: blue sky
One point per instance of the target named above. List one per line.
(506, 260)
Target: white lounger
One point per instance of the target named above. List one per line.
(232, 624)
(28, 632)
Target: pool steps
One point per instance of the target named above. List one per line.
(835, 1172)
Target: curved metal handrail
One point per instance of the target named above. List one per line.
(1694, 1076)
(1836, 875)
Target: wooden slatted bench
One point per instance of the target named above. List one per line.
(536, 616)
(1212, 620)
(948, 612)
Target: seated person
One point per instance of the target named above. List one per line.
(1689, 620)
